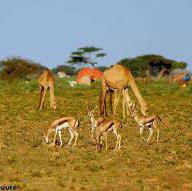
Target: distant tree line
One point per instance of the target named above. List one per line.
(69, 70)
(20, 68)
(151, 65)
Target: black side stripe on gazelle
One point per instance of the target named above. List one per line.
(61, 122)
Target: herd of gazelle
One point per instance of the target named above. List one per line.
(116, 82)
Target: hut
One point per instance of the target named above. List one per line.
(88, 75)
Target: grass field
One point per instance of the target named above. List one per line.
(27, 162)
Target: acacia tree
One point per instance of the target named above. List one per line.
(151, 64)
(86, 55)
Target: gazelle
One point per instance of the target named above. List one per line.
(94, 122)
(103, 126)
(106, 126)
(66, 122)
(148, 122)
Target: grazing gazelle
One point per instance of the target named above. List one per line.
(106, 126)
(66, 122)
(94, 122)
(145, 121)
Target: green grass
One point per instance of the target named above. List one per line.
(30, 164)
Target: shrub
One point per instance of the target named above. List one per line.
(19, 68)
(151, 64)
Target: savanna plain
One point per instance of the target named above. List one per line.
(26, 161)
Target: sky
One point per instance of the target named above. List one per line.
(46, 31)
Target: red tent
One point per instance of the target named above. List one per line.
(89, 73)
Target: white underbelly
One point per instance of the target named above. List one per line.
(111, 128)
(62, 126)
(148, 124)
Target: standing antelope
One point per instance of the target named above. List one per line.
(106, 126)
(94, 122)
(46, 81)
(144, 121)
(66, 122)
(103, 126)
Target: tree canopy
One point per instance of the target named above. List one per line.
(151, 64)
(19, 68)
(86, 55)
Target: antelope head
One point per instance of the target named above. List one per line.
(46, 135)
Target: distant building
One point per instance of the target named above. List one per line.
(62, 75)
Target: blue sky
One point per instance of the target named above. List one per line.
(48, 30)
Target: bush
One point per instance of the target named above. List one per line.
(19, 68)
(151, 64)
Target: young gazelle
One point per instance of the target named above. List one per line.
(106, 126)
(145, 121)
(66, 122)
(94, 122)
